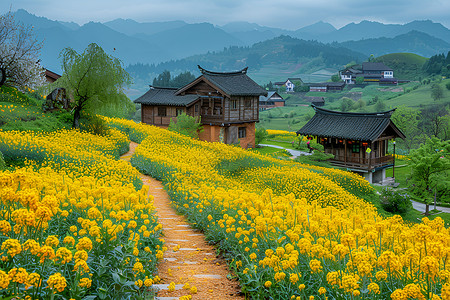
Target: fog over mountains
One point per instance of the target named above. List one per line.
(156, 42)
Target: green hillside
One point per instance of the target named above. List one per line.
(19, 111)
(372, 98)
(407, 66)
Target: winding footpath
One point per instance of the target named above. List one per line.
(189, 258)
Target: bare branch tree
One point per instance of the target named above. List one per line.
(19, 54)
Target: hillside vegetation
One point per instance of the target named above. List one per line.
(19, 111)
(407, 66)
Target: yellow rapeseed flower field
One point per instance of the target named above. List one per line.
(74, 220)
(295, 231)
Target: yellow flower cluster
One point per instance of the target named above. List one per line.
(75, 152)
(297, 219)
(70, 216)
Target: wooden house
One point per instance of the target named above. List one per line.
(289, 83)
(326, 86)
(273, 99)
(226, 102)
(371, 72)
(358, 141)
(317, 101)
(51, 76)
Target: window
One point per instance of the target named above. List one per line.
(355, 148)
(234, 104)
(180, 111)
(248, 103)
(242, 132)
(162, 111)
(196, 107)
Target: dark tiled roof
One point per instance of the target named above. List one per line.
(270, 95)
(234, 83)
(314, 99)
(165, 96)
(334, 84)
(353, 126)
(371, 66)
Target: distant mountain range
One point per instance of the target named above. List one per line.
(156, 42)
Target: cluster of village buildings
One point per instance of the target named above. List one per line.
(228, 105)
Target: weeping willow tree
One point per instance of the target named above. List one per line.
(95, 81)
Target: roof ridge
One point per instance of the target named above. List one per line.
(206, 72)
(384, 114)
(162, 88)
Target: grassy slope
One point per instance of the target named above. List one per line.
(406, 65)
(19, 111)
(394, 96)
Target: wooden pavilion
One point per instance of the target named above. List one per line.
(358, 141)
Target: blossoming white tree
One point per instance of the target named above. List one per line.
(19, 54)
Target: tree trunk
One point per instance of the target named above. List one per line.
(2, 76)
(427, 209)
(76, 117)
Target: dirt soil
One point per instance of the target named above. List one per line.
(189, 258)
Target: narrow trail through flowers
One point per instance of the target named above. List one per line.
(190, 262)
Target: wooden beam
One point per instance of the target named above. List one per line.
(345, 150)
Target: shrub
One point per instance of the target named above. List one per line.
(2, 162)
(395, 202)
(260, 135)
(186, 125)
(447, 85)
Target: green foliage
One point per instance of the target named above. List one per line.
(405, 65)
(347, 104)
(165, 79)
(437, 92)
(95, 79)
(335, 78)
(301, 88)
(186, 125)
(359, 80)
(234, 167)
(438, 64)
(93, 124)
(23, 111)
(380, 106)
(407, 120)
(447, 85)
(318, 158)
(2, 162)
(260, 135)
(430, 165)
(396, 202)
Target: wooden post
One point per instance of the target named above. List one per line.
(345, 151)
(393, 166)
(370, 155)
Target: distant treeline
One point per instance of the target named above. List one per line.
(438, 65)
(280, 50)
(165, 79)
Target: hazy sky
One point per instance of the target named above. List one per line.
(288, 14)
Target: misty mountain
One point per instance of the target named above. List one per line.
(192, 39)
(131, 27)
(414, 42)
(156, 42)
(369, 29)
(282, 50)
(314, 30)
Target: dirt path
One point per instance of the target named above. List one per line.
(195, 261)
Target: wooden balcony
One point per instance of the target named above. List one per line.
(363, 163)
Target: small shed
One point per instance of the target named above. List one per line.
(358, 141)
